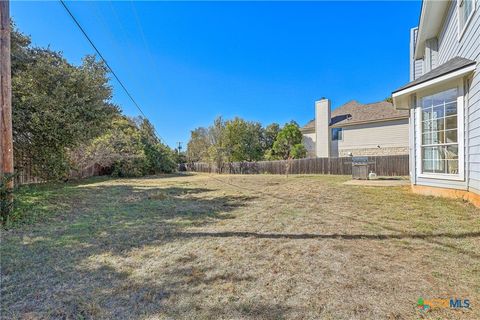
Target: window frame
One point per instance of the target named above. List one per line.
(461, 30)
(339, 130)
(460, 176)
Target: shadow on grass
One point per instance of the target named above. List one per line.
(47, 270)
(158, 297)
(300, 236)
(111, 220)
(113, 295)
(124, 217)
(429, 237)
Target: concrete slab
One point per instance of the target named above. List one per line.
(379, 183)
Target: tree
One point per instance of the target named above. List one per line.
(120, 149)
(269, 135)
(130, 147)
(63, 118)
(198, 145)
(206, 144)
(56, 106)
(298, 151)
(243, 140)
(159, 157)
(288, 144)
(216, 150)
(239, 140)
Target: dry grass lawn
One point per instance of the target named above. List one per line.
(237, 247)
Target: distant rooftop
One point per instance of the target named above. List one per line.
(353, 112)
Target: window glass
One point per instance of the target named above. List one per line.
(451, 136)
(451, 122)
(466, 10)
(337, 134)
(452, 166)
(438, 111)
(439, 150)
(451, 108)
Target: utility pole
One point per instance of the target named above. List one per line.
(6, 146)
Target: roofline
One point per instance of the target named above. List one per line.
(339, 125)
(447, 76)
(307, 130)
(431, 19)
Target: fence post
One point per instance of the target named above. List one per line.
(383, 165)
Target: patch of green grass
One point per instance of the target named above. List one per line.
(41, 202)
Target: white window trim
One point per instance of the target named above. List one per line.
(462, 31)
(460, 126)
(436, 81)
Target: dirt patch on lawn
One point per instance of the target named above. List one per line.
(379, 183)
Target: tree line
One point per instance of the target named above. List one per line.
(238, 140)
(64, 119)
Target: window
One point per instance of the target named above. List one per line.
(337, 134)
(439, 133)
(465, 12)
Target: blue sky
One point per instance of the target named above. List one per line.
(188, 62)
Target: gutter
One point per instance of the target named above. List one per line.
(342, 124)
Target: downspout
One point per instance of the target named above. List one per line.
(413, 134)
(466, 115)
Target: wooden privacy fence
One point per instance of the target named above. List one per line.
(381, 165)
(24, 173)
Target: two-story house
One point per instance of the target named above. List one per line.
(356, 129)
(443, 97)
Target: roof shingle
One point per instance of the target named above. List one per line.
(354, 112)
(451, 65)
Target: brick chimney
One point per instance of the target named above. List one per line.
(322, 129)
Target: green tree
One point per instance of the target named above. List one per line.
(298, 151)
(216, 150)
(120, 149)
(269, 135)
(198, 145)
(242, 140)
(288, 144)
(159, 157)
(180, 157)
(56, 106)
(206, 144)
(129, 147)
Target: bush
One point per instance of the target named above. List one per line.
(130, 148)
(133, 167)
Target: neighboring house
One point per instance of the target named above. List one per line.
(356, 129)
(443, 97)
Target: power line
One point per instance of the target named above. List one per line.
(145, 43)
(106, 63)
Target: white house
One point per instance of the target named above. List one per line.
(356, 129)
(443, 97)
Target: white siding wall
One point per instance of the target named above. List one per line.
(431, 55)
(467, 47)
(384, 134)
(418, 68)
